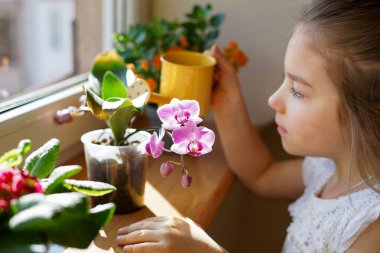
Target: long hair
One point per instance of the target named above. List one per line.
(347, 34)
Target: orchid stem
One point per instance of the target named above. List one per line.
(147, 129)
(184, 171)
(175, 163)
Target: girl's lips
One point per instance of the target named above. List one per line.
(281, 130)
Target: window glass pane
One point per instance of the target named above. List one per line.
(40, 42)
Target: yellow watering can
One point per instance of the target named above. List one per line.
(184, 75)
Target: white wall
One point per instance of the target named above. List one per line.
(262, 29)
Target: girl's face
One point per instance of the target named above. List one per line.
(307, 104)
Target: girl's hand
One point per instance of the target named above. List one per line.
(226, 87)
(166, 234)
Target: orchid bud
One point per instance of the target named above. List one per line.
(186, 181)
(166, 169)
(63, 116)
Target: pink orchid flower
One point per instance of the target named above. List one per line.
(155, 147)
(178, 113)
(192, 140)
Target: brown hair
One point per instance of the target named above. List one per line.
(347, 34)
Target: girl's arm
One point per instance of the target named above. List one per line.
(246, 153)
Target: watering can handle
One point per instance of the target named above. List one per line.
(158, 99)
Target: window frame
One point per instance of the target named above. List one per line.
(35, 120)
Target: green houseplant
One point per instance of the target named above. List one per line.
(38, 207)
(111, 156)
(142, 46)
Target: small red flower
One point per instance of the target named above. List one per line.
(233, 44)
(15, 183)
(235, 55)
(144, 64)
(156, 61)
(152, 83)
(183, 42)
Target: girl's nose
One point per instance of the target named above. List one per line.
(275, 101)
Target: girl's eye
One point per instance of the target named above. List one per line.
(295, 93)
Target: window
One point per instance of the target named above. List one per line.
(37, 44)
(42, 43)
(46, 48)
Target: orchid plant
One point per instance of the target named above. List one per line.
(180, 121)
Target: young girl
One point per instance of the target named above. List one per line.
(327, 109)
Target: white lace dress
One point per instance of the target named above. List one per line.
(327, 225)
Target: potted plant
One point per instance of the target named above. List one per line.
(142, 46)
(37, 207)
(111, 155)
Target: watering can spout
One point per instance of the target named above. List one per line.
(158, 99)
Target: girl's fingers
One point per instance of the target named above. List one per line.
(149, 223)
(221, 61)
(139, 236)
(142, 225)
(146, 247)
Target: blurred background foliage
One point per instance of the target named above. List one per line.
(142, 46)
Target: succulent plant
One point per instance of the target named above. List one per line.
(37, 206)
(113, 95)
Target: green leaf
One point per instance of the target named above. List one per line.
(113, 87)
(212, 35)
(63, 218)
(189, 27)
(10, 159)
(90, 188)
(69, 201)
(27, 201)
(48, 211)
(120, 121)
(24, 146)
(199, 12)
(202, 25)
(141, 36)
(121, 38)
(38, 217)
(14, 157)
(95, 103)
(102, 213)
(217, 19)
(42, 161)
(97, 107)
(108, 61)
(83, 229)
(23, 242)
(58, 175)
